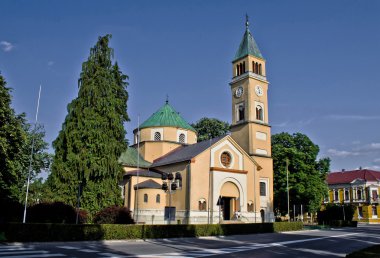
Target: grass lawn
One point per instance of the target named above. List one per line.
(369, 252)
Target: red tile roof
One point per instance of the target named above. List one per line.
(349, 176)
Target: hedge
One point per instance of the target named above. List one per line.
(68, 232)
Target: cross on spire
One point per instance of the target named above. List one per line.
(246, 21)
(167, 99)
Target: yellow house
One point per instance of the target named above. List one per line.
(169, 176)
(359, 188)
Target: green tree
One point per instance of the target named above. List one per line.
(93, 136)
(306, 174)
(16, 136)
(12, 139)
(210, 128)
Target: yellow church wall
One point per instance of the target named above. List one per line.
(234, 156)
(258, 143)
(253, 183)
(179, 196)
(151, 203)
(132, 194)
(266, 172)
(200, 179)
(155, 149)
(239, 134)
(167, 134)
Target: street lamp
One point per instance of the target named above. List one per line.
(170, 184)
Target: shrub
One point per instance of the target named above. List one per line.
(11, 211)
(336, 212)
(56, 212)
(114, 215)
(67, 232)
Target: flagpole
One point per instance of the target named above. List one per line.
(31, 156)
(138, 167)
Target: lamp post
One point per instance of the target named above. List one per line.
(170, 184)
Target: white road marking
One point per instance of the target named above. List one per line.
(87, 250)
(210, 252)
(68, 247)
(320, 252)
(33, 256)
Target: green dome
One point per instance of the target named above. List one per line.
(166, 116)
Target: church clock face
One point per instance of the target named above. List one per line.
(259, 90)
(238, 92)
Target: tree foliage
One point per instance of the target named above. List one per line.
(209, 128)
(306, 174)
(93, 136)
(16, 136)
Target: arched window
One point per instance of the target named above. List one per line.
(263, 189)
(240, 112)
(243, 67)
(257, 67)
(253, 67)
(145, 197)
(250, 206)
(158, 198)
(260, 69)
(181, 138)
(157, 136)
(202, 204)
(237, 70)
(259, 113)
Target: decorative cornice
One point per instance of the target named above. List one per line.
(251, 121)
(248, 74)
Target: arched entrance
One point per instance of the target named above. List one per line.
(230, 200)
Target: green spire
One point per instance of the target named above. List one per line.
(168, 117)
(247, 45)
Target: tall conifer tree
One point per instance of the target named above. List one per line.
(93, 135)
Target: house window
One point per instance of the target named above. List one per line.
(359, 194)
(259, 113)
(346, 195)
(360, 212)
(157, 136)
(336, 195)
(225, 159)
(374, 211)
(145, 197)
(181, 138)
(374, 195)
(240, 112)
(202, 204)
(158, 198)
(263, 190)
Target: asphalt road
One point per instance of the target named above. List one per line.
(313, 243)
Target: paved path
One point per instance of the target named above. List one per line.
(314, 243)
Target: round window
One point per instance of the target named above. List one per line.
(225, 159)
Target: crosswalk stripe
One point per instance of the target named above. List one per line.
(24, 252)
(14, 249)
(33, 256)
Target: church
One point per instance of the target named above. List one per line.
(169, 177)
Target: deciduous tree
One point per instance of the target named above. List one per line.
(307, 174)
(210, 128)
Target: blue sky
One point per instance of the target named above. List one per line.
(322, 62)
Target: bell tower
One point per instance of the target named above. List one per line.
(249, 89)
